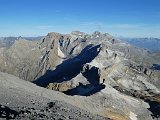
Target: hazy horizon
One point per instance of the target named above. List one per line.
(127, 18)
(116, 36)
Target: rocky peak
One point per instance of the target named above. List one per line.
(96, 33)
(20, 38)
(54, 35)
(78, 33)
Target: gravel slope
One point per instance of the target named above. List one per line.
(19, 101)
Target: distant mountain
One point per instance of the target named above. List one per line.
(151, 44)
(9, 41)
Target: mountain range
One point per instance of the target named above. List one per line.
(151, 44)
(78, 76)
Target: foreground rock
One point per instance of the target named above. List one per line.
(23, 100)
(26, 100)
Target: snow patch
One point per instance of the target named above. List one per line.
(60, 53)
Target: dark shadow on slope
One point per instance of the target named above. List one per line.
(96, 89)
(154, 108)
(85, 90)
(155, 67)
(69, 68)
(7, 113)
(92, 76)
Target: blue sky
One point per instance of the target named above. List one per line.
(130, 18)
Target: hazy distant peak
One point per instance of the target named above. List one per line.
(78, 33)
(20, 38)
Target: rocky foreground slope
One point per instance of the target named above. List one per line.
(22, 100)
(96, 73)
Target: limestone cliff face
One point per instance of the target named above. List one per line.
(31, 59)
(20, 59)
